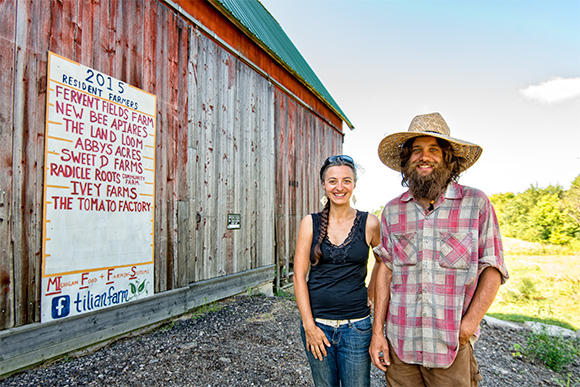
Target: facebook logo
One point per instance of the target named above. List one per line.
(60, 306)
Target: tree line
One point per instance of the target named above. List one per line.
(546, 215)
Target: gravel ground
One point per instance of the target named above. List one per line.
(249, 341)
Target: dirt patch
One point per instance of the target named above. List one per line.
(250, 341)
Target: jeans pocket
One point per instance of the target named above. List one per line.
(455, 251)
(364, 326)
(405, 249)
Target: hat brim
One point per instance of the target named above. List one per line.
(390, 148)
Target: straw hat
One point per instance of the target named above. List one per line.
(426, 125)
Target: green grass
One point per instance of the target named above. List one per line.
(286, 295)
(201, 311)
(567, 381)
(519, 247)
(540, 288)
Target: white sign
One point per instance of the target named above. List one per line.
(99, 191)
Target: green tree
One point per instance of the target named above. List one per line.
(571, 202)
(548, 222)
(507, 213)
(540, 214)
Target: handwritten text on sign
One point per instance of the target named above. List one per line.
(98, 192)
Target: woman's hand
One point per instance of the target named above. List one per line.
(316, 342)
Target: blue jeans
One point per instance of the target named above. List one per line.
(348, 363)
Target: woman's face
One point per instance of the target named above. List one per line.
(339, 183)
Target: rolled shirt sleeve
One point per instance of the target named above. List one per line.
(490, 242)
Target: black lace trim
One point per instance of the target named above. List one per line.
(338, 254)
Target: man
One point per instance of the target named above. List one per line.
(443, 255)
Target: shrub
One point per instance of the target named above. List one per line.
(554, 351)
(527, 288)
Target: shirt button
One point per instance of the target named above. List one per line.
(424, 314)
(426, 239)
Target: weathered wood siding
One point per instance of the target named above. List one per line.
(236, 134)
(303, 141)
(232, 136)
(215, 139)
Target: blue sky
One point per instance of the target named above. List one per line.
(504, 75)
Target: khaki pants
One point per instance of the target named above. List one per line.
(464, 372)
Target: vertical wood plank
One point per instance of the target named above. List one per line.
(193, 129)
(182, 241)
(20, 264)
(180, 119)
(190, 267)
(27, 157)
(7, 60)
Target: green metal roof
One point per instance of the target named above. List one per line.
(261, 24)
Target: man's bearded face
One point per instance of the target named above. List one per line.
(427, 186)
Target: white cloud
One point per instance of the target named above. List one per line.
(553, 91)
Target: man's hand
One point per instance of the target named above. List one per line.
(466, 330)
(487, 287)
(379, 351)
(379, 348)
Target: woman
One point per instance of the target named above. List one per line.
(334, 303)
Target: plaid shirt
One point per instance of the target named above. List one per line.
(436, 258)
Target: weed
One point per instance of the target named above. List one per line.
(554, 351)
(519, 351)
(567, 382)
(286, 295)
(254, 292)
(167, 326)
(527, 288)
(205, 309)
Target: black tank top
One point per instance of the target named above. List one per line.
(337, 283)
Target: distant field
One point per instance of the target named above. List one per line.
(541, 288)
